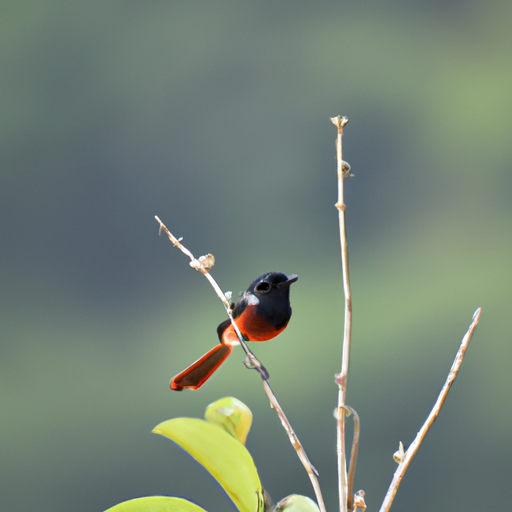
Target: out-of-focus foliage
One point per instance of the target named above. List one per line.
(216, 118)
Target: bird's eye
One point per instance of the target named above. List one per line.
(262, 287)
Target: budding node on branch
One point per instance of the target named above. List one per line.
(359, 500)
(203, 263)
(399, 455)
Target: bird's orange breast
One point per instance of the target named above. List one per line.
(252, 326)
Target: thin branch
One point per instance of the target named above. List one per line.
(413, 448)
(203, 265)
(353, 457)
(343, 170)
(294, 440)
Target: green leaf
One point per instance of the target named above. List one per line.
(297, 503)
(156, 504)
(231, 415)
(227, 460)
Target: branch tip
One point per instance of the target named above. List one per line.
(339, 122)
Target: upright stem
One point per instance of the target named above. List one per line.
(343, 171)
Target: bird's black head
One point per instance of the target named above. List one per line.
(272, 280)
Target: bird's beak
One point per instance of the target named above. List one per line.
(291, 279)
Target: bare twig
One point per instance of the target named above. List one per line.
(353, 457)
(413, 448)
(343, 170)
(294, 440)
(203, 265)
(198, 264)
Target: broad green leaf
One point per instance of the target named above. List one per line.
(231, 415)
(227, 460)
(156, 504)
(297, 503)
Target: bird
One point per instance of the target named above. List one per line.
(261, 314)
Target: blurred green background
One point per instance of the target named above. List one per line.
(215, 116)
